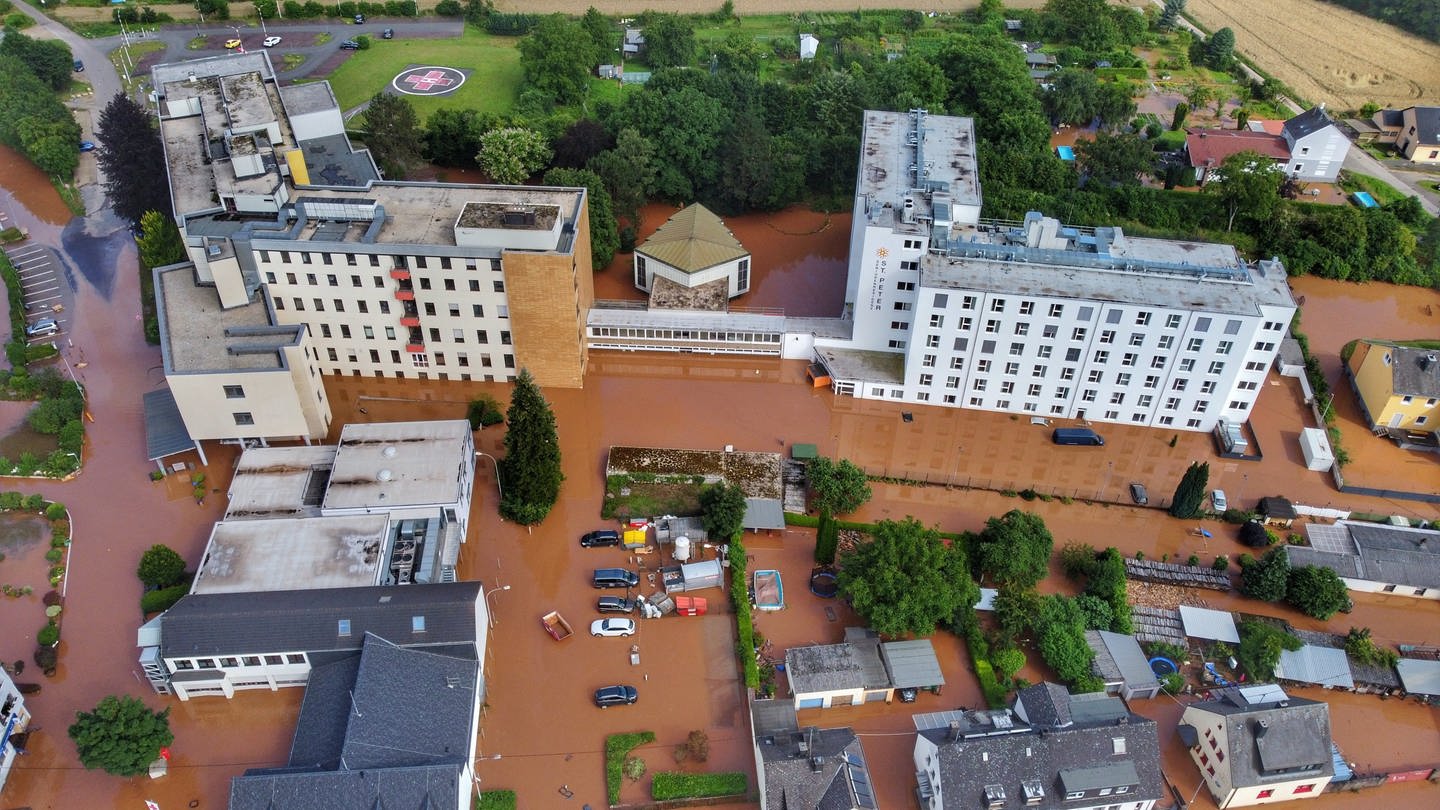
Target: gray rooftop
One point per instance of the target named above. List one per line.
(1045, 705)
(1272, 736)
(1427, 124)
(290, 789)
(291, 554)
(197, 334)
(274, 482)
(906, 154)
(1362, 674)
(309, 97)
(763, 513)
(912, 664)
(1419, 676)
(165, 431)
(885, 368)
(1214, 625)
(1415, 372)
(1308, 122)
(1378, 553)
(1324, 666)
(1118, 657)
(308, 621)
(832, 667)
(391, 465)
(1106, 748)
(831, 774)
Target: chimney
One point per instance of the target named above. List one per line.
(817, 764)
(954, 735)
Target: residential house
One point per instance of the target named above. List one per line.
(861, 670)
(14, 724)
(693, 256)
(1052, 750)
(1208, 148)
(1277, 511)
(1317, 146)
(389, 727)
(1388, 125)
(220, 643)
(1419, 138)
(810, 767)
(634, 42)
(1398, 386)
(1257, 745)
(1375, 557)
(1121, 665)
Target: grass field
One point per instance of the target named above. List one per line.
(491, 87)
(1382, 191)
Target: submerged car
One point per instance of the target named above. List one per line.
(1138, 493)
(615, 696)
(612, 627)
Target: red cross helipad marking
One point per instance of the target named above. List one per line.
(429, 81)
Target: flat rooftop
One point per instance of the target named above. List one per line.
(395, 464)
(280, 481)
(200, 335)
(885, 368)
(903, 153)
(291, 554)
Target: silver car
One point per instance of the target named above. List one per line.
(612, 627)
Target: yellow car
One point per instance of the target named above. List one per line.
(232, 43)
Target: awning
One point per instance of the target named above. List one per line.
(165, 432)
(763, 513)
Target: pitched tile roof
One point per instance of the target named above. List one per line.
(1311, 121)
(1427, 124)
(1118, 658)
(432, 786)
(825, 776)
(693, 240)
(309, 621)
(1209, 147)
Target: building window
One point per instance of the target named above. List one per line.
(243, 418)
(420, 360)
(932, 341)
(1107, 336)
(927, 379)
(902, 306)
(928, 361)
(743, 281)
(1305, 788)
(997, 305)
(957, 362)
(896, 344)
(234, 392)
(499, 286)
(937, 321)
(1027, 307)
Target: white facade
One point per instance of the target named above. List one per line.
(14, 719)
(1038, 318)
(1316, 156)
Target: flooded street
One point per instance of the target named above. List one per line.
(540, 731)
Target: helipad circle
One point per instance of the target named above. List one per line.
(430, 80)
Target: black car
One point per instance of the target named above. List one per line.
(1138, 494)
(600, 537)
(615, 604)
(614, 578)
(615, 696)
(79, 66)
(349, 45)
(359, 19)
(388, 33)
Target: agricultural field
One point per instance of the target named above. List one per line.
(744, 7)
(1328, 54)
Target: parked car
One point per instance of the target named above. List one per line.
(614, 578)
(349, 45)
(79, 66)
(908, 694)
(615, 696)
(271, 42)
(231, 44)
(87, 146)
(42, 327)
(600, 537)
(615, 604)
(612, 627)
(1218, 502)
(1138, 493)
(388, 33)
(359, 19)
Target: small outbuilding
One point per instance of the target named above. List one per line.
(1419, 676)
(1210, 625)
(1277, 511)
(809, 46)
(693, 250)
(1121, 664)
(1315, 446)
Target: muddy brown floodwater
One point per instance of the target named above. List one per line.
(27, 193)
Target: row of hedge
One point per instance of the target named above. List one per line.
(744, 621)
(617, 748)
(18, 350)
(676, 785)
(979, 648)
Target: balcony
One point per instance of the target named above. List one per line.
(415, 348)
(404, 295)
(409, 320)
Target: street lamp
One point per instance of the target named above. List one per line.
(497, 471)
(488, 611)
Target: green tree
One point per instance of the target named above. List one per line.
(1097, 612)
(1170, 17)
(602, 31)
(1190, 492)
(1260, 648)
(1007, 661)
(52, 414)
(452, 136)
(129, 156)
(1118, 159)
(1317, 592)
(121, 736)
(839, 487)
(1248, 183)
(531, 469)
(1178, 120)
(392, 131)
(906, 580)
(1266, 578)
(1014, 549)
(1220, 49)
(558, 55)
(629, 173)
(722, 510)
(685, 124)
(604, 232)
(511, 154)
(827, 539)
(49, 60)
(1061, 627)
(1361, 647)
(669, 41)
(1087, 23)
(1016, 610)
(580, 142)
(161, 567)
(159, 241)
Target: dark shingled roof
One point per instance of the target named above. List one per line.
(1310, 121)
(285, 789)
(165, 432)
(1046, 705)
(1415, 372)
(831, 667)
(1427, 124)
(794, 780)
(279, 621)
(1271, 736)
(1277, 507)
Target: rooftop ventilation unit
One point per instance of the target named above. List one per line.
(994, 796)
(517, 219)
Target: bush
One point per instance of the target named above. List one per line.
(160, 567)
(495, 799)
(46, 658)
(1222, 563)
(617, 748)
(163, 598)
(54, 555)
(1172, 682)
(449, 8)
(363, 41)
(672, 785)
(49, 635)
(484, 412)
(55, 511)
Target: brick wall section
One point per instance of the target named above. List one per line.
(549, 295)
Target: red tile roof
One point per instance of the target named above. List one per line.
(1208, 147)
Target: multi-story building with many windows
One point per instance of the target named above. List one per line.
(1035, 317)
(292, 234)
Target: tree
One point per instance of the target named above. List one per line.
(722, 508)
(1254, 534)
(1181, 110)
(511, 154)
(392, 131)
(1220, 49)
(1266, 578)
(669, 41)
(49, 59)
(558, 55)
(1016, 610)
(1014, 549)
(604, 233)
(1260, 648)
(906, 580)
(1190, 492)
(1361, 647)
(601, 30)
(452, 136)
(827, 539)
(122, 736)
(1118, 159)
(161, 567)
(129, 156)
(1317, 592)
(1248, 183)
(159, 240)
(1061, 626)
(629, 173)
(582, 141)
(836, 487)
(1097, 612)
(531, 469)
(1171, 15)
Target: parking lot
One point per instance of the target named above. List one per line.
(47, 296)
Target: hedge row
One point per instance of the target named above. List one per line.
(744, 621)
(163, 598)
(979, 649)
(617, 748)
(674, 785)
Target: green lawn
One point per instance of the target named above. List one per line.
(1382, 191)
(493, 85)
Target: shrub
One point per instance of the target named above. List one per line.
(162, 598)
(49, 635)
(34, 503)
(1222, 563)
(495, 799)
(54, 555)
(51, 598)
(55, 511)
(671, 785)
(484, 412)
(1172, 682)
(160, 567)
(46, 658)
(617, 748)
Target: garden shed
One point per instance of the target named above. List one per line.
(1211, 625)
(1121, 664)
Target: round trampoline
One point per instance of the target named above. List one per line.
(1160, 665)
(823, 583)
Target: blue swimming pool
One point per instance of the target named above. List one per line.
(1365, 200)
(1065, 152)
